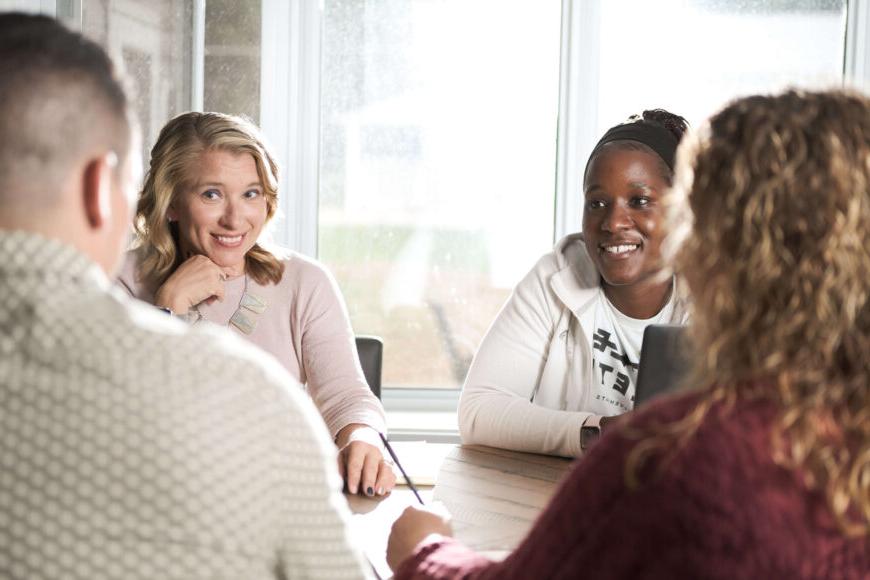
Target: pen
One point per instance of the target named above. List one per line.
(374, 570)
(399, 465)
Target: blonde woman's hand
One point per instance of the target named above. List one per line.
(412, 527)
(196, 280)
(361, 461)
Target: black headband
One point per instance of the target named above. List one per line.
(654, 136)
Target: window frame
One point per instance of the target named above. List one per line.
(290, 114)
(290, 118)
(197, 58)
(578, 91)
(302, 21)
(292, 35)
(856, 65)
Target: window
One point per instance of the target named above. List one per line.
(431, 150)
(153, 43)
(690, 57)
(693, 56)
(232, 58)
(437, 168)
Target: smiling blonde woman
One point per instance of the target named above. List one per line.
(211, 188)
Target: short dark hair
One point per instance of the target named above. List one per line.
(60, 95)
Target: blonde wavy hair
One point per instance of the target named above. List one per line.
(178, 149)
(770, 222)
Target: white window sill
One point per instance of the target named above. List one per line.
(429, 426)
(422, 415)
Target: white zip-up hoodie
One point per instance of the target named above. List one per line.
(531, 379)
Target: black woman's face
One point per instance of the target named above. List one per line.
(623, 215)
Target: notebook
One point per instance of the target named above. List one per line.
(664, 361)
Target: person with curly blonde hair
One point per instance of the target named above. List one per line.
(763, 469)
(211, 189)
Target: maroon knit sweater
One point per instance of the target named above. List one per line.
(721, 509)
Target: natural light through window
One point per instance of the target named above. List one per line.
(693, 56)
(437, 169)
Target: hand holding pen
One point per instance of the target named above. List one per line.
(408, 481)
(401, 469)
(414, 524)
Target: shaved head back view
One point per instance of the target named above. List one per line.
(65, 135)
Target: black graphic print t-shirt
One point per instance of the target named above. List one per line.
(616, 340)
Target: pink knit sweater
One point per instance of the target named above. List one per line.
(306, 327)
(721, 509)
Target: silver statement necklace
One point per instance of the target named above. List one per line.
(250, 307)
(245, 316)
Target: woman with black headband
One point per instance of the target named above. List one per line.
(760, 469)
(562, 356)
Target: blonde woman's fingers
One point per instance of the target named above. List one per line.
(386, 478)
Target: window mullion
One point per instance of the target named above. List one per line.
(856, 66)
(578, 108)
(197, 57)
(290, 113)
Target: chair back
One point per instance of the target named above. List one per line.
(371, 356)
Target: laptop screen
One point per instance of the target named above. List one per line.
(664, 361)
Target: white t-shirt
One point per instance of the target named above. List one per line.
(616, 341)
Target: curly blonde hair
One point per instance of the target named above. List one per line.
(770, 222)
(181, 143)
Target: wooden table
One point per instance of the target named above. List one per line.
(494, 496)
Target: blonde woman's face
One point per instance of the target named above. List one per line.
(222, 215)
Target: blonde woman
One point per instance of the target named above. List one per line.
(210, 190)
(763, 471)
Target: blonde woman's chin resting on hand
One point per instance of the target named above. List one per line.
(195, 281)
(210, 193)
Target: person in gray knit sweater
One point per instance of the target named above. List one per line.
(132, 445)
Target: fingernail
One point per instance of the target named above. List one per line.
(369, 491)
(380, 491)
